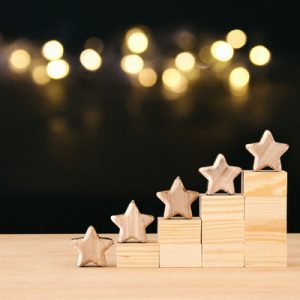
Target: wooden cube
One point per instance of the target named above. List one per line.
(180, 255)
(179, 231)
(264, 183)
(138, 255)
(218, 232)
(265, 231)
(265, 208)
(266, 255)
(223, 255)
(222, 207)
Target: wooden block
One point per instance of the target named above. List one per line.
(266, 255)
(138, 255)
(180, 255)
(264, 183)
(265, 208)
(265, 231)
(223, 255)
(179, 231)
(218, 232)
(222, 207)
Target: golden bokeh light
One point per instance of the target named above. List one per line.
(236, 38)
(205, 55)
(147, 77)
(132, 64)
(39, 75)
(260, 55)
(58, 69)
(174, 80)
(19, 60)
(90, 59)
(221, 51)
(136, 40)
(53, 50)
(239, 77)
(185, 61)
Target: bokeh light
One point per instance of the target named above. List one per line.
(39, 75)
(90, 59)
(147, 77)
(137, 40)
(53, 50)
(239, 77)
(185, 61)
(19, 60)
(205, 55)
(132, 64)
(221, 51)
(260, 55)
(236, 38)
(58, 69)
(174, 80)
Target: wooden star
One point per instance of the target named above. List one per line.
(177, 200)
(132, 224)
(91, 248)
(220, 176)
(267, 152)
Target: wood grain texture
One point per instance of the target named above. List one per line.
(180, 255)
(138, 255)
(223, 232)
(179, 230)
(264, 183)
(265, 208)
(266, 255)
(41, 266)
(265, 231)
(221, 207)
(223, 255)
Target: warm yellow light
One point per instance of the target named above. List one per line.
(137, 40)
(174, 80)
(19, 60)
(90, 59)
(58, 69)
(185, 61)
(39, 75)
(53, 50)
(236, 38)
(221, 51)
(205, 55)
(260, 55)
(132, 64)
(239, 77)
(147, 77)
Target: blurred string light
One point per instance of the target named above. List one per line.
(236, 38)
(147, 77)
(205, 55)
(90, 59)
(238, 81)
(19, 60)
(39, 75)
(132, 64)
(259, 55)
(53, 50)
(58, 69)
(185, 61)
(221, 51)
(174, 80)
(137, 40)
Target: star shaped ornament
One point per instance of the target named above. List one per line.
(91, 248)
(132, 224)
(220, 176)
(267, 152)
(178, 200)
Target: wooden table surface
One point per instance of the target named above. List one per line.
(43, 267)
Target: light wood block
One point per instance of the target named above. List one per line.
(266, 255)
(218, 232)
(265, 231)
(266, 208)
(180, 255)
(223, 255)
(179, 231)
(264, 183)
(138, 255)
(222, 207)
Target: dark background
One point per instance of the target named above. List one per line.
(138, 142)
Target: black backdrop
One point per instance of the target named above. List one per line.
(65, 182)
